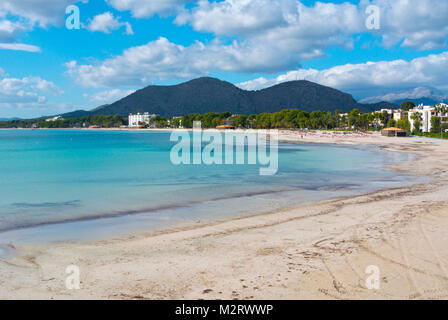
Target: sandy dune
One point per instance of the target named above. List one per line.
(317, 250)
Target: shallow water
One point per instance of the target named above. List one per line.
(74, 184)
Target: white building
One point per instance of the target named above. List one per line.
(180, 122)
(135, 120)
(426, 113)
(54, 119)
(388, 111)
(398, 114)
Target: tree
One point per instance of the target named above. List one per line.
(353, 118)
(363, 121)
(407, 105)
(404, 124)
(384, 117)
(317, 120)
(436, 124)
(391, 123)
(239, 121)
(416, 117)
(302, 120)
(441, 110)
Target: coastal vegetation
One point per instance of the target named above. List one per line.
(83, 122)
(285, 119)
(299, 119)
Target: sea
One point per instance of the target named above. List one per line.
(78, 185)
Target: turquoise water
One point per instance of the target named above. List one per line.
(99, 182)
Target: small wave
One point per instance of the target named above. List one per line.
(122, 213)
(74, 203)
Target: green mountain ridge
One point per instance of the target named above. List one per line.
(206, 94)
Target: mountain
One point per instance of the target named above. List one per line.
(75, 114)
(425, 95)
(213, 95)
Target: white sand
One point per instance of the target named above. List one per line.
(317, 250)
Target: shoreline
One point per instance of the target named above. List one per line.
(268, 241)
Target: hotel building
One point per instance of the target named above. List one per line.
(426, 113)
(136, 120)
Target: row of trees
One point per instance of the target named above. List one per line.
(103, 121)
(298, 119)
(284, 119)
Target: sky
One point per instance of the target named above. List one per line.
(372, 49)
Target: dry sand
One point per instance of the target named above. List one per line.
(314, 251)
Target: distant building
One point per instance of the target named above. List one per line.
(226, 127)
(389, 112)
(394, 132)
(54, 119)
(398, 114)
(179, 119)
(136, 120)
(426, 113)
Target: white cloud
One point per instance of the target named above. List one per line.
(276, 35)
(106, 22)
(19, 47)
(272, 36)
(9, 30)
(28, 90)
(148, 8)
(415, 93)
(30, 97)
(365, 77)
(17, 16)
(139, 65)
(418, 24)
(239, 17)
(71, 64)
(36, 83)
(162, 59)
(41, 12)
(109, 96)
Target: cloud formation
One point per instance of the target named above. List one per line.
(158, 59)
(417, 24)
(106, 23)
(415, 93)
(25, 91)
(32, 96)
(19, 47)
(18, 16)
(148, 8)
(9, 30)
(258, 36)
(40, 12)
(108, 96)
(365, 77)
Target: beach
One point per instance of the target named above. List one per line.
(317, 250)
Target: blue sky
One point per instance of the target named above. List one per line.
(122, 46)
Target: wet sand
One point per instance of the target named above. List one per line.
(318, 250)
